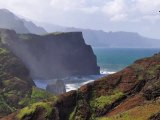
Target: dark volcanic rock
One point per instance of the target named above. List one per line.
(53, 55)
(57, 88)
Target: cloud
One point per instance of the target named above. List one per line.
(147, 6)
(152, 18)
(67, 5)
(114, 7)
(34, 9)
(96, 14)
(119, 17)
(116, 10)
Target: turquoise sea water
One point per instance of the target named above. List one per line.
(114, 59)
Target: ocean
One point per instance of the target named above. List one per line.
(110, 60)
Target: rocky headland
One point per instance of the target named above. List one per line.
(53, 55)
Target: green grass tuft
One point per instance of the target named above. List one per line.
(31, 109)
(3, 51)
(71, 117)
(103, 101)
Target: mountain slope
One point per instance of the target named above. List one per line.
(17, 89)
(10, 21)
(99, 38)
(131, 94)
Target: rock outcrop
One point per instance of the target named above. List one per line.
(56, 88)
(54, 55)
(133, 93)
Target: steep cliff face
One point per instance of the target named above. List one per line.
(131, 94)
(53, 55)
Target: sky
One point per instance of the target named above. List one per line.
(140, 16)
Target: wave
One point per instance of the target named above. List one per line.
(77, 82)
(106, 72)
(74, 82)
(75, 86)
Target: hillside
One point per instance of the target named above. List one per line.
(17, 89)
(99, 38)
(8, 20)
(131, 94)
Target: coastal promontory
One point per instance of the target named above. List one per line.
(53, 55)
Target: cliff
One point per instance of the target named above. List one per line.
(130, 94)
(53, 55)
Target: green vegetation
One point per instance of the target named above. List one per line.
(137, 67)
(140, 77)
(152, 70)
(39, 94)
(3, 51)
(10, 93)
(36, 96)
(103, 101)
(32, 109)
(7, 82)
(4, 106)
(15, 86)
(71, 117)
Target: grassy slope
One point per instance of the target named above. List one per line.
(143, 112)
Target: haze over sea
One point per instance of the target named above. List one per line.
(110, 60)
